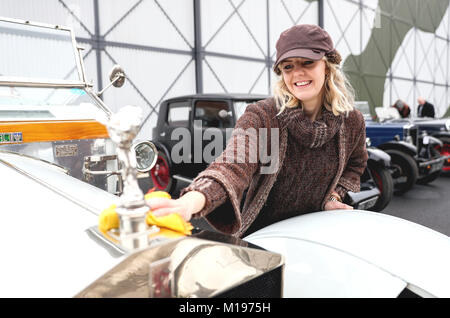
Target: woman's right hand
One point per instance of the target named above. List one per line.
(189, 204)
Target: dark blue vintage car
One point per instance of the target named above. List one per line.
(438, 128)
(414, 158)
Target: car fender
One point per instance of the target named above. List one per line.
(399, 145)
(440, 134)
(379, 156)
(432, 140)
(405, 251)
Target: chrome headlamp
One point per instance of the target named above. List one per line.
(146, 155)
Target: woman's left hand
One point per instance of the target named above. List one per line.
(336, 205)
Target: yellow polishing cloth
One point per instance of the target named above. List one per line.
(172, 222)
(172, 225)
(108, 219)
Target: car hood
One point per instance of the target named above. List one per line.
(385, 252)
(46, 251)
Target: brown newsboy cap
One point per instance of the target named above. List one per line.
(303, 40)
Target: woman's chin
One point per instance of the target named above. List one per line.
(303, 97)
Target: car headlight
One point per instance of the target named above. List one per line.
(146, 155)
(409, 139)
(368, 142)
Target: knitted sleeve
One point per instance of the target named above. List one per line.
(350, 179)
(341, 191)
(233, 171)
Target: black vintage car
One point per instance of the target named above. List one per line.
(190, 116)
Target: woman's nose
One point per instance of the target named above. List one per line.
(299, 70)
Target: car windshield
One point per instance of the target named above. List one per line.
(389, 113)
(363, 107)
(27, 51)
(40, 103)
(240, 106)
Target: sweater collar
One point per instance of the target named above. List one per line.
(310, 134)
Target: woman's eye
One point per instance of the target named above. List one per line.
(287, 67)
(308, 62)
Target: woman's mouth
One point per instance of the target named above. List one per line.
(303, 84)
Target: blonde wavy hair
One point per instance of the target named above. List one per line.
(338, 98)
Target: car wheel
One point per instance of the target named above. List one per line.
(161, 174)
(445, 151)
(383, 179)
(405, 171)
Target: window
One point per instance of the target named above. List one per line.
(240, 106)
(213, 114)
(179, 113)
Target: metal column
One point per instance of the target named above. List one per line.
(198, 49)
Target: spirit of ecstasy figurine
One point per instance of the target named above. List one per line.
(132, 209)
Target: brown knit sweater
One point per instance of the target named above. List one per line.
(315, 159)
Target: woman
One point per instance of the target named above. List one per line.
(321, 153)
(403, 109)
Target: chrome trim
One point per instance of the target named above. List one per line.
(431, 162)
(178, 177)
(64, 170)
(447, 125)
(111, 240)
(38, 24)
(50, 187)
(100, 103)
(79, 49)
(114, 249)
(77, 56)
(183, 268)
(38, 82)
(155, 152)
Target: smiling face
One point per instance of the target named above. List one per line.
(305, 80)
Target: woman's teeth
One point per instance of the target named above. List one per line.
(302, 83)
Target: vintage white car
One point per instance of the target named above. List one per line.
(62, 165)
(52, 246)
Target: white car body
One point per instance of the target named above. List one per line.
(355, 253)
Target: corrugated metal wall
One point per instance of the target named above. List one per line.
(391, 48)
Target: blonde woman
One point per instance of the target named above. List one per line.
(321, 146)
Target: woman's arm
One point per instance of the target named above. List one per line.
(357, 162)
(225, 179)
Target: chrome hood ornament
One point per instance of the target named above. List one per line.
(132, 209)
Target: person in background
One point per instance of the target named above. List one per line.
(403, 109)
(321, 139)
(424, 109)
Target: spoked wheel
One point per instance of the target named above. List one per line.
(383, 179)
(445, 151)
(161, 174)
(405, 171)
